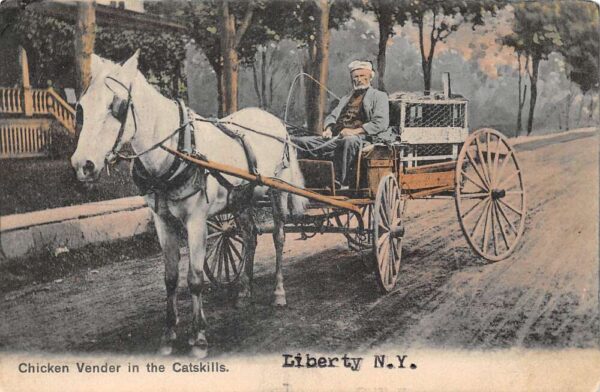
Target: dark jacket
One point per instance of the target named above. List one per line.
(376, 108)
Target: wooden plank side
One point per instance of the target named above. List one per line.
(430, 192)
(434, 167)
(317, 174)
(427, 180)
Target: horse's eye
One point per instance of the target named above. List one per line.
(78, 118)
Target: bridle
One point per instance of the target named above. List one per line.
(119, 109)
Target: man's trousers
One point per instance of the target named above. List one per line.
(342, 151)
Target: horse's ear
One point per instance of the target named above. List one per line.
(130, 67)
(123, 77)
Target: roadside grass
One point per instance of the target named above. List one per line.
(40, 183)
(42, 269)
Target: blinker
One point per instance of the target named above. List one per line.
(119, 108)
(78, 118)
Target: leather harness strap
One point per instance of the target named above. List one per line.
(250, 156)
(176, 175)
(180, 171)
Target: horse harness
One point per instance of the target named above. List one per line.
(184, 179)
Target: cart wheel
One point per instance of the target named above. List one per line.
(388, 231)
(490, 195)
(224, 262)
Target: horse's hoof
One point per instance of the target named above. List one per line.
(166, 343)
(165, 350)
(199, 347)
(280, 301)
(199, 352)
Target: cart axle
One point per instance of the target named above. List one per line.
(397, 231)
(498, 194)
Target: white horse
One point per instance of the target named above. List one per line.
(120, 106)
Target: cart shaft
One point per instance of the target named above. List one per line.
(271, 182)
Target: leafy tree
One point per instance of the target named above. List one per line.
(270, 67)
(308, 22)
(534, 35)
(578, 27)
(162, 54)
(438, 19)
(49, 40)
(228, 32)
(388, 13)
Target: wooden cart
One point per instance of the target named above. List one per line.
(435, 156)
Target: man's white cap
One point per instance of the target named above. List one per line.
(358, 64)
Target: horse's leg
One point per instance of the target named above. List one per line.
(196, 229)
(169, 242)
(245, 222)
(279, 240)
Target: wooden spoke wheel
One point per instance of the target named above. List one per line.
(357, 240)
(388, 231)
(224, 260)
(490, 194)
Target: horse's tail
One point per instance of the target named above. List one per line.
(296, 204)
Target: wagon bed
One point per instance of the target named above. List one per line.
(434, 156)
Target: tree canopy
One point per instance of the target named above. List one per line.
(578, 27)
(49, 44)
(534, 35)
(436, 20)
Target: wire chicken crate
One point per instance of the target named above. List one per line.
(432, 127)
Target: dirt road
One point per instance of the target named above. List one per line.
(545, 295)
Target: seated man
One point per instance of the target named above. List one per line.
(360, 116)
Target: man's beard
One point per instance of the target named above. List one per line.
(359, 87)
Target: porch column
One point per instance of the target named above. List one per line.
(27, 94)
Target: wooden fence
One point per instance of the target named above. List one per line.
(24, 137)
(27, 112)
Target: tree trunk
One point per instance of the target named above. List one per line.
(220, 89)
(309, 86)
(85, 35)
(175, 82)
(522, 96)
(320, 67)
(385, 29)
(255, 80)
(580, 112)
(426, 59)
(229, 56)
(560, 127)
(263, 79)
(568, 106)
(427, 78)
(535, 63)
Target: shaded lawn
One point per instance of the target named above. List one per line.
(40, 183)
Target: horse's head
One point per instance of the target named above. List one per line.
(104, 116)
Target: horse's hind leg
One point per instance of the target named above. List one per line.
(245, 222)
(169, 242)
(279, 240)
(196, 228)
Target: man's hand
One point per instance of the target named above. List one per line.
(346, 132)
(327, 134)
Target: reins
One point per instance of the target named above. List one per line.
(116, 153)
